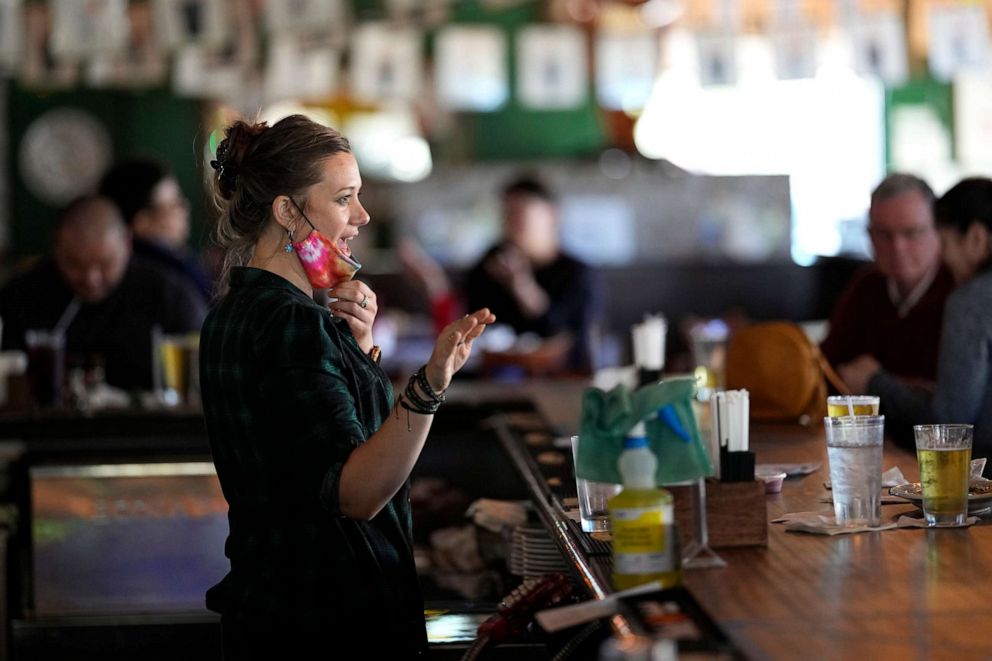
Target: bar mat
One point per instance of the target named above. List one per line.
(591, 546)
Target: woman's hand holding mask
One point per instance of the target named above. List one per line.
(357, 305)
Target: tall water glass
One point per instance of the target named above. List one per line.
(944, 453)
(594, 497)
(854, 447)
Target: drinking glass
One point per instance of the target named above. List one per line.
(944, 453)
(854, 448)
(175, 362)
(593, 498)
(841, 405)
(46, 366)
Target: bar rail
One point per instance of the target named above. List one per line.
(592, 573)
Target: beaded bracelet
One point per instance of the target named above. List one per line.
(413, 402)
(425, 385)
(420, 405)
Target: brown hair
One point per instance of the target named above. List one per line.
(254, 164)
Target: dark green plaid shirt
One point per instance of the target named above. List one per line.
(287, 395)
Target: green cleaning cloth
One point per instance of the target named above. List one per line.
(665, 407)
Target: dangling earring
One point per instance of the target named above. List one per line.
(289, 241)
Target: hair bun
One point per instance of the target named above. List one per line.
(231, 154)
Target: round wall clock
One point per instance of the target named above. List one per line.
(63, 154)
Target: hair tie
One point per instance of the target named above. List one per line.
(227, 173)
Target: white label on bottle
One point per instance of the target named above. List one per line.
(642, 540)
(643, 563)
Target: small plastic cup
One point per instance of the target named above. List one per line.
(841, 405)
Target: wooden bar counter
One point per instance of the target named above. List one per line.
(902, 593)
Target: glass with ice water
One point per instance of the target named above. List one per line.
(854, 447)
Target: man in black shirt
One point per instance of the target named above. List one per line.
(529, 283)
(107, 300)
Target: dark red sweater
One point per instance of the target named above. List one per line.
(866, 322)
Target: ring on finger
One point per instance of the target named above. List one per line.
(365, 302)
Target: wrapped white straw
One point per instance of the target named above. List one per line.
(649, 342)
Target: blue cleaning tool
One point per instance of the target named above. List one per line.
(667, 415)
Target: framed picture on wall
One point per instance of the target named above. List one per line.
(386, 62)
(327, 17)
(795, 52)
(300, 67)
(223, 71)
(11, 34)
(718, 54)
(471, 68)
(141, 64)
(80, 29)
(959, 39)
(201, 71)
(203, 22)
(40, 68)
(879, 43)
(551, 67)
(626, 67)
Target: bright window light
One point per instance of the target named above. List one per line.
(826, 133)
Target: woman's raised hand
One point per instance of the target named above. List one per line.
(454, 346)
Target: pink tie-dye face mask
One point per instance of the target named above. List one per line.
(323, 262)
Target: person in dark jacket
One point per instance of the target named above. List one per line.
(530, 283)
(104, 300)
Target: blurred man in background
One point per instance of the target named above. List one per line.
(530, 284)
(103, 300)
(893, 310)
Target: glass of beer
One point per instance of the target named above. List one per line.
(174, 363)
(944, 453)
(841, 405)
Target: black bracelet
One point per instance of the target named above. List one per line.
(400, 401)
(411, 394)
(426, 386)
(419, 404)
(414, 409)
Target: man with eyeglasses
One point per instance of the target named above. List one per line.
(157, 212)
(893, 310)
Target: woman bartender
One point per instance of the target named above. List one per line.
(312, 453)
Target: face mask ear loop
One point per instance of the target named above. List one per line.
(303, 213)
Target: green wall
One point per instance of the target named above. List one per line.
(147, 123)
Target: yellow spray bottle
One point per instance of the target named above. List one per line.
(645, 544)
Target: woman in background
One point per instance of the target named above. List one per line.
(963, 393)
(312, 454)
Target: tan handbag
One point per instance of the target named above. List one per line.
(784, 373)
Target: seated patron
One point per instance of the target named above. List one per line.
(892, 310)
(529, 283)
(963, 393)
(157, 212)
(105, 300)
